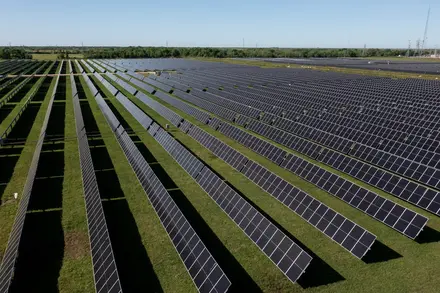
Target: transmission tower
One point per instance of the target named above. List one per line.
(408, 53)
(425, 35)
(417, 52)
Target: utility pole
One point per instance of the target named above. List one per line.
(408, 53)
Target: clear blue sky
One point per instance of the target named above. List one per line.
(281, 23)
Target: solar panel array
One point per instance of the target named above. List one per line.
(90, 69)
(136, 75)
(108, 68)
(142, 85)
(106, 275)
(358, 241)
(414, 66)
(283, 252)
(8, 129)
(10, 256)
(349, 235)
(374, 205)
(81, 70)
(202, 267)
(418, 168)
(110, 87)
(98, 66)
(307, 147)
(90, 84)
(394, 215)
(278, 247)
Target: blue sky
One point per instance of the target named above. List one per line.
(277, 23)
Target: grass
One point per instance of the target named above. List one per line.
(265, 64)
(76, 273)
(384, 277)
(51, 56)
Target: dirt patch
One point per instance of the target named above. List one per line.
(76, 245)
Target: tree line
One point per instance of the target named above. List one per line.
(180, 52)
(14, 53)
(165, 52)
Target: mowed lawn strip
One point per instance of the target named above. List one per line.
(76, 273)
(167, 265)
(414, 255)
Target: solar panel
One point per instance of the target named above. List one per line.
(97, 65)
(81, 70)
(7, 267)
(349, 235)
(125, 85)
(409, 157)
(288, 256)
(104, 266)
(89, 68)
(387, 210)
(282, 251)
(202, 267)
(90, 84)
(391, 214)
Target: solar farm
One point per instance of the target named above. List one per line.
(418, 65)
(176, 175)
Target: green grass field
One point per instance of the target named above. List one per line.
(398, 264)
(51, 56)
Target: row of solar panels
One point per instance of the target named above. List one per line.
(10, 256)
(8, 129)
(357, 242)
(384, 210)
(104, 265)
(291, 103)
(420, 195)
(90, 69)
(203, 269)
(417, 161)
(253, 223)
